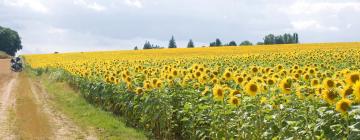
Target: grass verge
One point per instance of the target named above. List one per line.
(107, 126)
(4, 55)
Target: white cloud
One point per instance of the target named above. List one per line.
(134, 3)
(91, 5)
(304, 7)
(35, 5)
(55, 30)
(312, 25)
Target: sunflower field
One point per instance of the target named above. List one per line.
(307, 91)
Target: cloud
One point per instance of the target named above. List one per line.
(90, 5)
(55, 30)
(312, 25)
(83, 25)
(134, 3)
(304, 7)
(35, 5)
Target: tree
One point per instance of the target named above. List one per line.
(296, 38)
(172, 43)
(269, 39)
(279, 39)
(218, 42)
(232, 43)
(136, 48)
(10, 41)
(147, 45)
(212, 44)
(246, 43)
(191, 44)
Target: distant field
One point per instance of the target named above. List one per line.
(304, 91)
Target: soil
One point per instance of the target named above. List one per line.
(27, 111)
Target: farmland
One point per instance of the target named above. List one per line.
(299, 91)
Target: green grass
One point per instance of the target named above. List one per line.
(4, 55)
(85, 115)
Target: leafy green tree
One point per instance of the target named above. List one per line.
(10, 41)
(172, 43)
(136, 48)
(191, 44)
(246, 43)
(232, 43)
(269, 39)
(279, 39)
(218, 42)
(295, 38)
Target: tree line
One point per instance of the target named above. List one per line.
(269, 39)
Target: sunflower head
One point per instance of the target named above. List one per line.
(356, 91)
(239, 80)
(252, 88)
(227, 75)
(234, 101)
(218, 93)
(348, 90)
(234, 92)
(352, 78)
(139, 90)
(343, 105)
(329, 95)
(329, 83)
(147, 86)
(285, 85)
(315, 82)
(270, 81)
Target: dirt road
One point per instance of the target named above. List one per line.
(26, 110)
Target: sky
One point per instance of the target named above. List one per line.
(46, 26)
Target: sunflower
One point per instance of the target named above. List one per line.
(214, 81)
(128, 80)
(357, 91)
(311, 71)
(239, 80)
(154, 82)
(348, 90)
(314, 82)
(254, 69)
(159, 84)
(329, 83)
(197, 74)
(227, 75)
(218, 93)
(139, 90)
(234, 92)
(352, 78)
(270, 81)
(147, 86)
(329, 95)
(343, 105)
(234, 101)
(306, 76)
(252, 88)
(285, 85)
